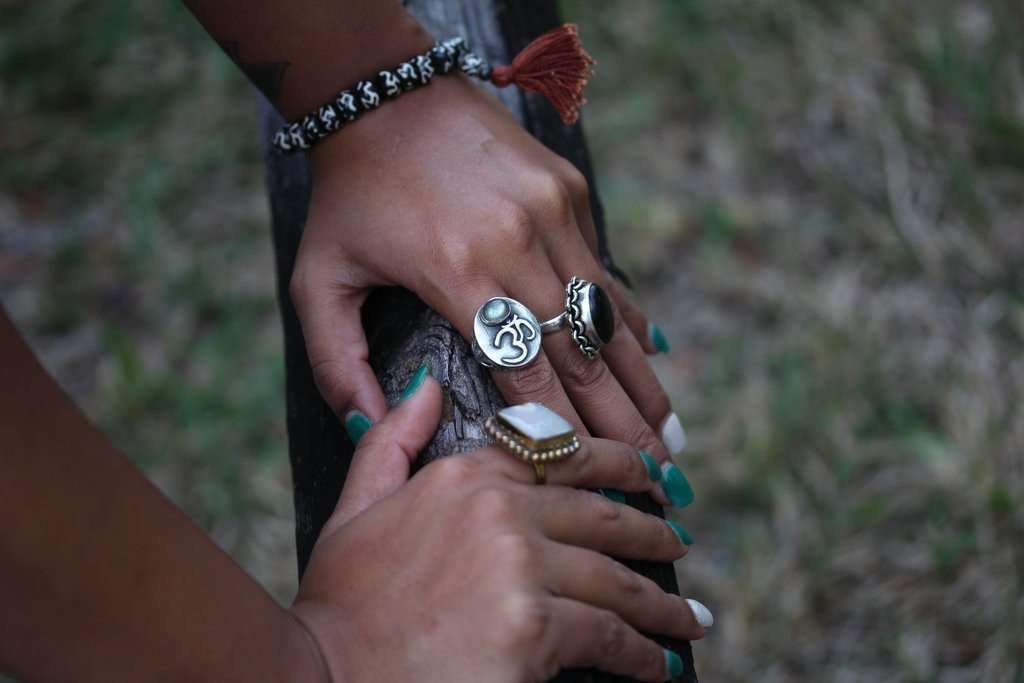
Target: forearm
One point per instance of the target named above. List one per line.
(101, 577)
(302, 53)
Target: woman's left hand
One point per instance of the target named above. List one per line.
(442, 192)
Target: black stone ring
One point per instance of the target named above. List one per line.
(588, 315)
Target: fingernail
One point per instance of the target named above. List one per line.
(684, 536)
(701, 613)
(415, 382)
(356, 424)
(653, 471)
(672, 434)
(613, 494)
(673, 664)
(676, 486)
(657, 338)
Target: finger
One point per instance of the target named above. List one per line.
(652, 339)
(336, 345)
(608, 410)
(534, 382)
(585, 636)
(589, 520)
(598, 464)
(630, 366)
(598, 580)
(623, 355)
(381, 462)
(579, 192)
(539, 382)
(650, 336)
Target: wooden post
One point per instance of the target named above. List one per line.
(401, 330)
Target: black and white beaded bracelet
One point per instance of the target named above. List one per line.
(349, 105)
(555, 64)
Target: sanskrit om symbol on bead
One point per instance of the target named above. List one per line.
(520, 331)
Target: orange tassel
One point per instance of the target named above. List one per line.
(554, 65)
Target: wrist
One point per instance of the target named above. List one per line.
(386, 132)
(378, 37)
(303, 660)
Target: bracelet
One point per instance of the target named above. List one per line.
(555, 65)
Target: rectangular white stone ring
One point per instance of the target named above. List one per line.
(533, 433)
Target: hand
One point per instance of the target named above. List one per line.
(470, 572)
(441, 192)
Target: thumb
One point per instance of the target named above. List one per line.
(336, 345)
(381, 462)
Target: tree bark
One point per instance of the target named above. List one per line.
(401, 330)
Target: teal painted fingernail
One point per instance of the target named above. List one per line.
(684, 536)
(356, 424)
(653, 471)
(613, 494)
(675, 485)
(415, 382)
(673, 664)
(658, 338)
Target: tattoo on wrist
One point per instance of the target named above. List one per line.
(267, 76)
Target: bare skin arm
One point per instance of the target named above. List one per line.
(101, 577)
(299, 54)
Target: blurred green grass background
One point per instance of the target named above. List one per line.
(821, 203)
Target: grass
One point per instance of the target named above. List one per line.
(824, 207)
(820, 202)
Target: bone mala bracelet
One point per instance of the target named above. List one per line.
(555, 65)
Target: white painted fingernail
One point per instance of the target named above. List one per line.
(672, 434)
(701, 613)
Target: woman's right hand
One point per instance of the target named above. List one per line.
(471, 572)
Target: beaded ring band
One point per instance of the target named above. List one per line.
(555, 65)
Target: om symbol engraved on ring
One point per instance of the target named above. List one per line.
(514, 328)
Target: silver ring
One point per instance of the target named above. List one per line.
(588, 315)
(506, 334)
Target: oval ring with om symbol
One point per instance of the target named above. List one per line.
(506, 334)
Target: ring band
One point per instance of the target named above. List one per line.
(533, 433)
(556, 324)
(588, 315)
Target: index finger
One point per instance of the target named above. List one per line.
(599, 463)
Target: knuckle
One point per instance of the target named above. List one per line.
(583, 462)
(627, 580)
(549, 197)
(652, 663)
(526, 622)
(640, 435)
(299, 287)
(602, 509)
(453, 471)
(537, 380)
(330, 383)
(517, 231)
(614, 635)
(456, 256)
(461, 261)
(581, 372)
(628, 467)
(518, 556)
(496, 507)
(576, 183)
